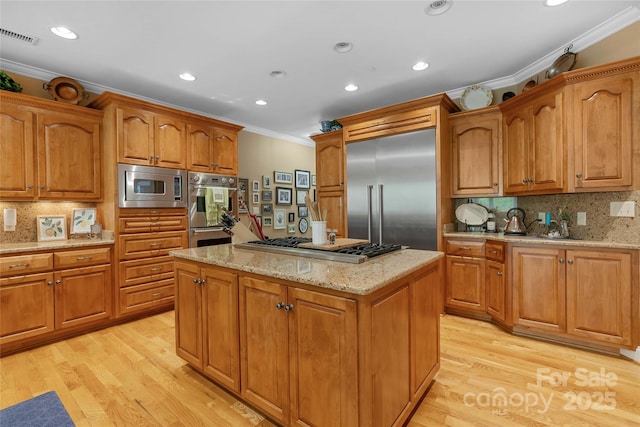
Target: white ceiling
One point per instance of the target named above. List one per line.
(140, 47)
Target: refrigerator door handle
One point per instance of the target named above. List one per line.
(380, 212)
(369, 213)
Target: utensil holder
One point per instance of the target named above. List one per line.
(318, 232)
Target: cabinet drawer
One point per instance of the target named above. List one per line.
(24, 264)
(82, 258)
(145, 271)
(494, 251)
(466, 248)
(144, 224)
(138, 246)
(144, 297)
(152, 212)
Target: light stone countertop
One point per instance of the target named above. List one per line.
(16, 248)
(533, 240)
(358, 279)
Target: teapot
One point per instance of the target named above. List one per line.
(515, 224)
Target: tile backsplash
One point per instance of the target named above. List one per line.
(26, 213)
(600, 225)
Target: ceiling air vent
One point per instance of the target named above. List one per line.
(18, 36)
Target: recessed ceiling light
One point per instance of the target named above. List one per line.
(278, 74)
(438, 7)
(419, 66)
(554, 2)
(261, 102)
(188, 77)
(350, 87)
(343, 47)
(64, 32)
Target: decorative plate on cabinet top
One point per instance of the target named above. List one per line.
(472, 214)
(65, 89)
(476, 96)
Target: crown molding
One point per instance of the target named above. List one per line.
(611, 26)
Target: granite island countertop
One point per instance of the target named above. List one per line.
(359, 279)
(534, 240)
(17, 248)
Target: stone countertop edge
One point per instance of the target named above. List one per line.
(357, 279)
(531, 240)
(16, 248)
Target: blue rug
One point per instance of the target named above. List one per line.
(45, 410)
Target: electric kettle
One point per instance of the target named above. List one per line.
(515, 224)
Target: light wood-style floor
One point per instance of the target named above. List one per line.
(129, 375)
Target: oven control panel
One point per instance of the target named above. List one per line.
(211, 180)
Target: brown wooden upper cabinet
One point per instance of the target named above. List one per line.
(475, 153)
(153, 135)
(534, 146)
(605, 120)
(330, 176)
(49, 150)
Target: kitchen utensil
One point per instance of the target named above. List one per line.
(565, 62)
(472, 214)
(516, 224)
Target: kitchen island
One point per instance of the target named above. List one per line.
(309, 341)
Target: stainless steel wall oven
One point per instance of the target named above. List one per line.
(210, 197)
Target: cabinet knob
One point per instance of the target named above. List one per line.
(58, 282)
(561, 260)
(570, 261)
(195, 281)
(150, 159)
(579, 175)
(214, 165)
(499, 273)
(50, 283)
(288, 307)
(495, 184)
(279, 305)
(30, 186)
(42, 187)
(157, 158)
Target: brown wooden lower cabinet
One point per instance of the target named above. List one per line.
(582, 294)
(56, 298)
(308, 356)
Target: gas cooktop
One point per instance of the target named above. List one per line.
(289, 245)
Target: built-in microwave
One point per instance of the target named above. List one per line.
(151, 187)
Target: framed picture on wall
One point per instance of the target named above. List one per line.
(279, 219)
(256, 186)
(283, 196)
(267, 195)
(292, 216)
(303, 179)
(267, 209)
(300, 197)
(266, 181)
(303, 211)
(266, 221)
(282, 177)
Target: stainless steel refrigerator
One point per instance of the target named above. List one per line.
(391, 189)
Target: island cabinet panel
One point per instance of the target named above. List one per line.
(539, 288)
(320, 327)
(264, 346)
(390, 338)
(207, 336)
(599, 295)
(17, 151)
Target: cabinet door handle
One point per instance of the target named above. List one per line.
(81, 258)
(156, 224)
(569, 261)
(214, 165)
(156, 294)
(155, 269)
(493, 252)
(465, 248)
(24, 264)
(288, 307)
(561, 260)
(155, 244)
(58, 282)
(499, 273)
(279, 305)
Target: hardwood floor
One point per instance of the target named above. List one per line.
(129, 375)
